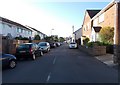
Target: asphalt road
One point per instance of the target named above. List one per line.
(61, 65)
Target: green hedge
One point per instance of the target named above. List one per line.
(91, 44)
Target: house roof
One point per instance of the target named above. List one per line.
(12, 22)
(35, 29)
(92, 13)
(106, 8)
(77, 30)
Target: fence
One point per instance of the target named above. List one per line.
(9, 46)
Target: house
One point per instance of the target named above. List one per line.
(106, 17)
(36, 32)
(78, 35)
(13, 29)
(101, 18)
(87, 23)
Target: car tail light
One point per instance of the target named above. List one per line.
(31, 50)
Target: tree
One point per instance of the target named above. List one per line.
(37, 37)
(61, 39)
(107, 34)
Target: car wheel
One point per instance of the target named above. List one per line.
(12, 64)
(41, 53)
(48, 50)
(33, 57)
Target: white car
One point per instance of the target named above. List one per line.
(73, 45)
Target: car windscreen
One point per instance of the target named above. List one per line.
(24, 46)
(42, 44)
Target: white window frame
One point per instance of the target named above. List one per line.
(101, 18)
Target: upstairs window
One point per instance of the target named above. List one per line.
(101, 18)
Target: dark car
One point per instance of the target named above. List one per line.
(8, 60)
(57, 44)
(45, 46)
(28, 50)
(52, 45)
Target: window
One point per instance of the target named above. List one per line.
(95, 22)
(17, 29)
(101, 18)
(21, 30)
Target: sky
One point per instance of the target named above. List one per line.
(49, 17)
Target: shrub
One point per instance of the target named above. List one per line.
(107, 34)
(21, 38)
(91, 44)
(37, 37)
(86, 40)
(24, 38)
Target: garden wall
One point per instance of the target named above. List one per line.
(95, 51)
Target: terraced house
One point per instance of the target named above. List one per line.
(95, 20)
(13, 29)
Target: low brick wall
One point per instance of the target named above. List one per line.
(95, 51)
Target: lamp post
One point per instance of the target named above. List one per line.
(51, 31)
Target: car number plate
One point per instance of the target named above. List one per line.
(22, 51)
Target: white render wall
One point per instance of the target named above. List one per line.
(78, 34)
(6, 28)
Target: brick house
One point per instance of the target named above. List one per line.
(87, 23)
(101, 18)
(106, 17)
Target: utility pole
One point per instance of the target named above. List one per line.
(117, 34)
(73, 34)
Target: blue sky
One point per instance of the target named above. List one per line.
(44, 16)
(72, 12)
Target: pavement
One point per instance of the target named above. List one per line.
(107, 59)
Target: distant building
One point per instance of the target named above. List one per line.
(36, 32)
(13, 29)
(78, 35)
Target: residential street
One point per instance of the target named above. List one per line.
(61, 65)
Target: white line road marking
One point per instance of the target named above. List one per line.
(54, 60)
(48, 78)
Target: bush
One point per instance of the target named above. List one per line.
(37, 37)
(86, 40)
(21, 38)
(91, 44)
(24, 38)
(107, 34)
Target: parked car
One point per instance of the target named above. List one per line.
(73, 45)
(45, 46)
(57, 44)
(28, 50)
(8, 60)
(52, 45)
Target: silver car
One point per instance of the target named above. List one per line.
(45, 46)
